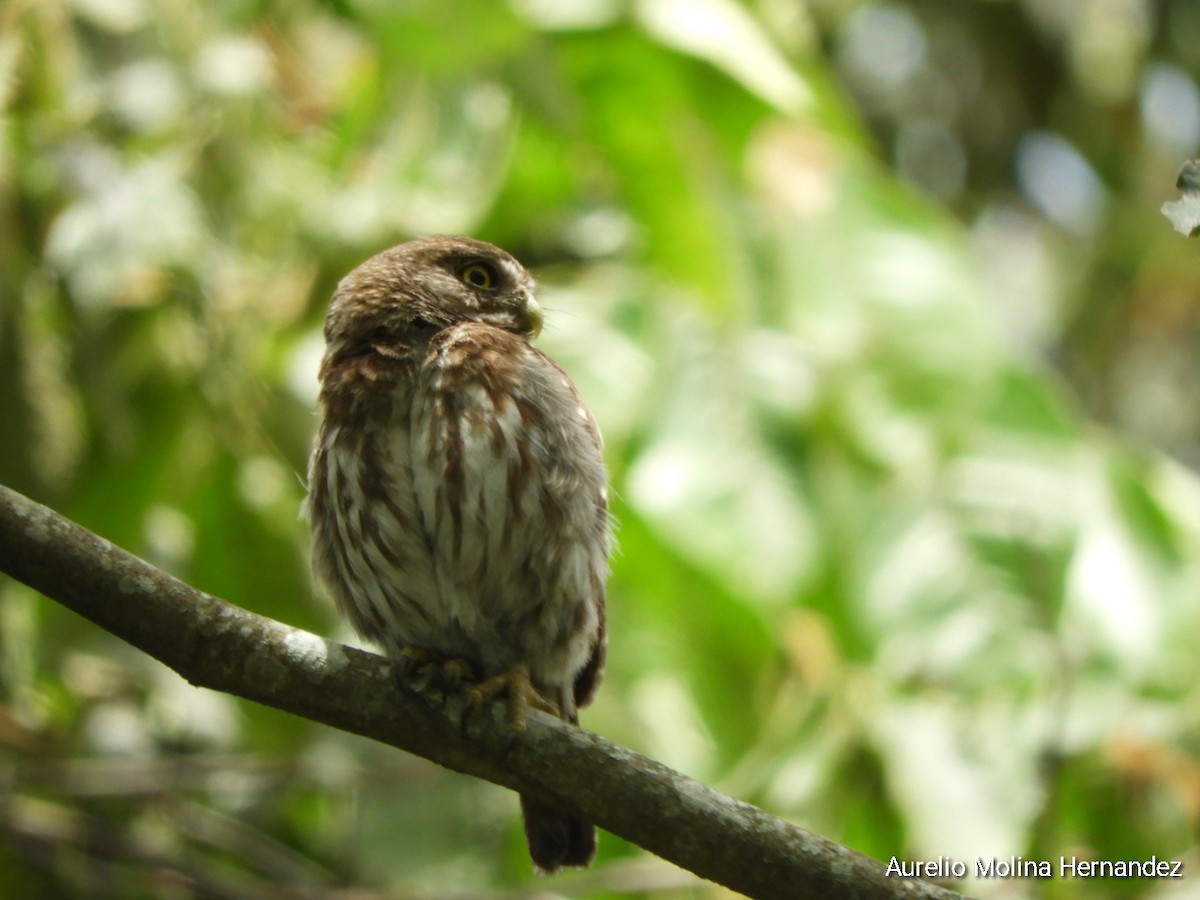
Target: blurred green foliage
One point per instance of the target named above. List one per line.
(846, 285)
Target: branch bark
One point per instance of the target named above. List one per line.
(217, 645)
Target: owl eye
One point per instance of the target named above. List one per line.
(478, 274)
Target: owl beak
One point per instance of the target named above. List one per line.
(531, 314)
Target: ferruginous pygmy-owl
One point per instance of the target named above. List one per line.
(457, 492)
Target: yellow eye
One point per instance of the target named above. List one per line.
(477, 274)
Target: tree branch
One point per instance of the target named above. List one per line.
(217, 645)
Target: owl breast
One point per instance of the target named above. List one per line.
(510, 487)
(472, 519)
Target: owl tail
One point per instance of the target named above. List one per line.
(555, 838)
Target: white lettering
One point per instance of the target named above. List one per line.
(1073, 867)
(942, 867)
(1013, 867)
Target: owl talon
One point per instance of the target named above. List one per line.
(427, 669)
(516, 686)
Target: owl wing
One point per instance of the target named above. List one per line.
(511, 487)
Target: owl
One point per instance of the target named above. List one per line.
(458, 499)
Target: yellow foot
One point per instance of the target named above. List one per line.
(516, 686)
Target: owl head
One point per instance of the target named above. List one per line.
(418, 288)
